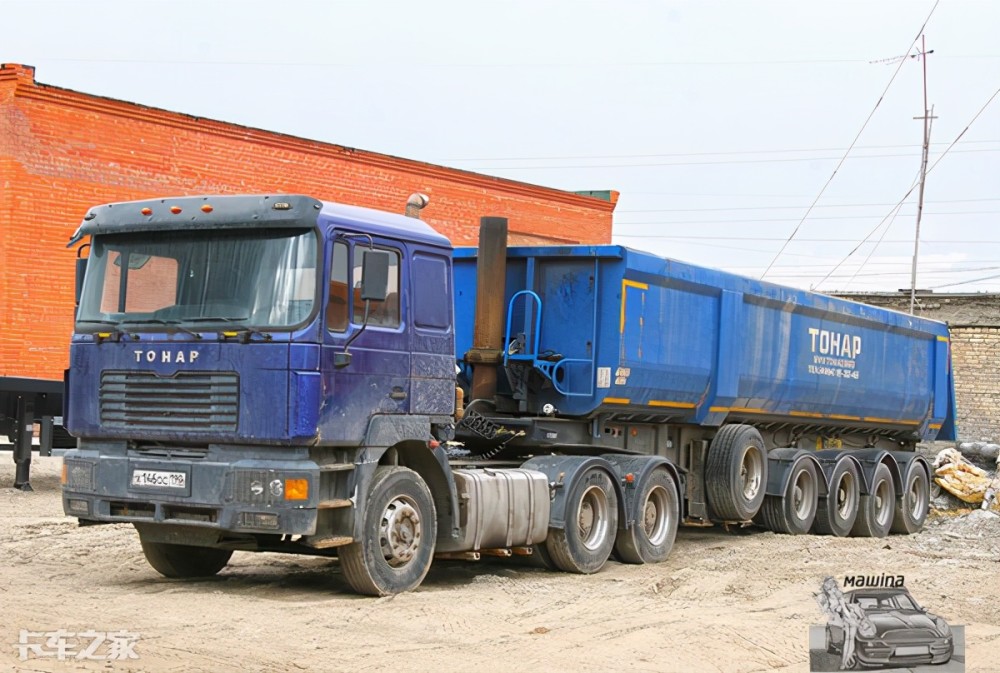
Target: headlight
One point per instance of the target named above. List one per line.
(942, 626)
(866, 628)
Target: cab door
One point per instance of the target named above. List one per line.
(376, 380)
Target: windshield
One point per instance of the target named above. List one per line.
(900, 601)
(261, 278)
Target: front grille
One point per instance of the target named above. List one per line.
(186, 401)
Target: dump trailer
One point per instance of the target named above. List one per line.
(276, 373)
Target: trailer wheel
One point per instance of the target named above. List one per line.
(399, 533)
(585, 544)
(875, 509)
(182, 561)
(736, 473)
(913, 502)
(794, 511)
(654, 528)
(837, 512)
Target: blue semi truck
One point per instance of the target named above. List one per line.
(276, 373)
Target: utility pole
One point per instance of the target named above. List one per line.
(927, 117)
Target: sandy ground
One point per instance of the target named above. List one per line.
(723, 602)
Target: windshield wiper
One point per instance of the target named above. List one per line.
(242, 328)
(158, 321)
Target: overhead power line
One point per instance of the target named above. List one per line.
(853, 142)
(910, 191)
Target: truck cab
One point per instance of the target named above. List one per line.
(240, 362)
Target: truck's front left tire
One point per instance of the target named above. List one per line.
(184, 561)
(399, 532)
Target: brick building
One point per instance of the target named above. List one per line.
(974, 321)
(62, 151)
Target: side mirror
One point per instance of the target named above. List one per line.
(375, 275)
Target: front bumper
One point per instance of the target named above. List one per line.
(217, 491)
(881, 653)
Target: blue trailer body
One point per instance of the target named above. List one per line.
(625, 332)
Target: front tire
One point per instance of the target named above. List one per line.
(654, 527)
(184, 561)
(398, 535)
(875, 510)
(736, 473)
(585, 544)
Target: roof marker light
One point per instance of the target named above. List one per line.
(207, 208)
(175, 210)
(146, 211)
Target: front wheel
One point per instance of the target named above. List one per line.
(399, 532)
(585, 544)
(184, 561)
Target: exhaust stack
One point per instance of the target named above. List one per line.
(487, 340)
(415, 204)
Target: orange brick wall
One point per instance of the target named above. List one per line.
(62, 151)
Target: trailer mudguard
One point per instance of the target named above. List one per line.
(869, 459)
(780, 466)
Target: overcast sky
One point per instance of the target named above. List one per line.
(720, 123)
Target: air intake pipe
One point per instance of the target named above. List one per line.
(415, 204)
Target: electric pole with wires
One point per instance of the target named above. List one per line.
(927, 117)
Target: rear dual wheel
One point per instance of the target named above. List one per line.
(794, 511)
(585, 543)
(655, 517)
(838, 511)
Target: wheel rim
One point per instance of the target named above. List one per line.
(592, 518)
(916, 497)
(751, 472)
(656, 516)
(803, 494)
(400, 532)
(883, 503)
(845, 488)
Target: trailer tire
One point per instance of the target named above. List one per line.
(794, 511)
(654, 527)
(184, 561)
(875, 509)
(736, 473)
(837, 512)
(585, 544)
(913, 502)
(399, 533)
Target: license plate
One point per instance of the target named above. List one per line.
(911, 650)
(158, 479)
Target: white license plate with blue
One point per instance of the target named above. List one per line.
(159, 479)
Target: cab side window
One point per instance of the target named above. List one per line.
(336, 310)
(380, 313)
